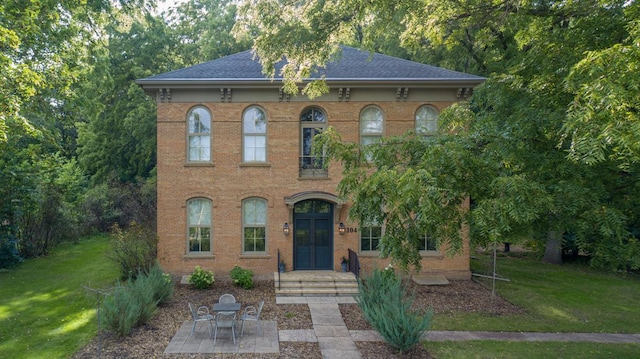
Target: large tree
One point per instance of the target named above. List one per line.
(523, 182)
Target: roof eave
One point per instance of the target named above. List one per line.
(277, 83)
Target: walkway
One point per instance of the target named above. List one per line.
(336, 341)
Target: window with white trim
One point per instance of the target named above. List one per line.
(254, 225)
(426, 120)
(370, 235)
(199, 225)
(254, 135)
(371, 126)
(199, 135)
(313, 121)
(428, 244)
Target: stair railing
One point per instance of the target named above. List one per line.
(278, 268)
(354, 263)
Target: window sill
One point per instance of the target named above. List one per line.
(255, 164)
(254, 256)
(431, 254)
(199, 164)
(369, 254)
(199, 256)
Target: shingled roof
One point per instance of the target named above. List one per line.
(352, 66)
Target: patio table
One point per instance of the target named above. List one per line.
(227, 307)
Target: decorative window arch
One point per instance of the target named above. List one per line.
(426, 120)
(371, 126)
(199, 135)
(254, 135)
(199, 225)
(254, 225)
(313, 120)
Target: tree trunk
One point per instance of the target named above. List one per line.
(553, 248)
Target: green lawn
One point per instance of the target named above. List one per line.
(567, 298)
(530, 350)
(45, 312)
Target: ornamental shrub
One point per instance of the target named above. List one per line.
(133, 249)
(121, 311)
(200, 278)
(386, 304)
(161, 284)
(242, 278)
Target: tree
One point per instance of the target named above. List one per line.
(512, 128)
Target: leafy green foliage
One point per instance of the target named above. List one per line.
(9, 255)
(387, 305)
(133, 249)
(241, 277)
(200, 278)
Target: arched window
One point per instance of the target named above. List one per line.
(199, 225)
(426, 120)
(371, 126)
(312, 122)
(199, 135)
(254, 225)
(254, 135)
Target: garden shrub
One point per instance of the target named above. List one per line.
(200, 278)
(121, 311)
(242, 278)
(133, 249)
(161, 284)
(143, 292)
(386, 304)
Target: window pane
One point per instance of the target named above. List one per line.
(254, 121)
(371, 120)
(199, 212)
(312, 115)
(199, 148)
(255, 212)
(255, 148)
(199, 120)
(426, 120)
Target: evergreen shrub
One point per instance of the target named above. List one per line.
(161, 284)
(9, 254)
(121, 311)
(242, 278)
(201, 279)
(386, 304)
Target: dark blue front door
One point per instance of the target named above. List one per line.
(313, 240)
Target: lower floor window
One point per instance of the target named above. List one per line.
(254, 222)
(370, 238)
(428, 243)
(254, 239)
(199, 223)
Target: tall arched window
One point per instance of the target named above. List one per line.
(199, 225)
(312, 122)
(254, 225)
(371, 126)
(254, 135)
(426, 120)
(199, 135)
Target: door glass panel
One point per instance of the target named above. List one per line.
(322, 243)
(302, 244)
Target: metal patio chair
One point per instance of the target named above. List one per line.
(227, 298)
(200, 315)
(225, 320)
(252, 314)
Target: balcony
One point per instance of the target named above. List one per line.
(312, 167)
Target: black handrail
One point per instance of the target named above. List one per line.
(354, 263)
(278, 269)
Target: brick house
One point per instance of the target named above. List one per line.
(237, 181)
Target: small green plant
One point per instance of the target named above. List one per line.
(242, 278)
(344, 260)
(289, 315)
(386, 304)
(201, 278)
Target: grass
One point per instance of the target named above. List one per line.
(45, 311)
(534, 350)
(567, 298)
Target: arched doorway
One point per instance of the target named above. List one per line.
(313, 235)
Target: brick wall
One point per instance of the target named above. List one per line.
(228, 181)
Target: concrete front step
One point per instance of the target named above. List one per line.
(315, 283)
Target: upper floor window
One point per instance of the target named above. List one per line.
(312, 122)
(370, 235)
(371, 126)
(199, 136)
(254, 225)
(254, 135)
(426, 120)
(199, 225)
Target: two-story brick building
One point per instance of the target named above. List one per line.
(237, 181)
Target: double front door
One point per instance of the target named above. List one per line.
(313, 240)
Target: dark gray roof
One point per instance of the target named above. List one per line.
(352, 65)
